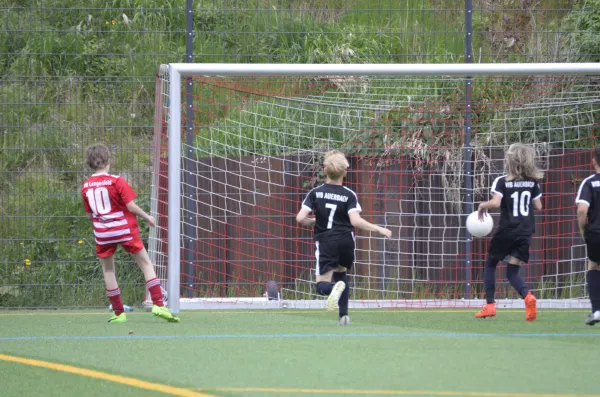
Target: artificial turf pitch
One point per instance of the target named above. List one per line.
(298, 353)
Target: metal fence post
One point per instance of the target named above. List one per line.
(190, 209)
(467, 142)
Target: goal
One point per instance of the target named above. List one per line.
(238, 146)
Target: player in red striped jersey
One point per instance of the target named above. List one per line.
(109, 203)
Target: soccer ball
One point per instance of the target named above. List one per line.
(479, 228)
(125, 308)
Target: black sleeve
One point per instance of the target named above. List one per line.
(308, 202)
(536, 192)
(584, 194)
(353, 204)
(498, 186)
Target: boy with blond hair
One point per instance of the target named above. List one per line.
(337, 212)
(109, 203)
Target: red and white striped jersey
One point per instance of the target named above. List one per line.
(106, 197)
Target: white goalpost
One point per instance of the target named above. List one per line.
(238, 146)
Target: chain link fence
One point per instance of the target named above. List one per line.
(73, 74)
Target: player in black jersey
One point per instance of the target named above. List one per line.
(337, 212)
(588, 219)
(513, 193)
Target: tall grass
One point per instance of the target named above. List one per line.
(73, 75)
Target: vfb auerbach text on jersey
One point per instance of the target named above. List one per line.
(520, 184)
(332, 196)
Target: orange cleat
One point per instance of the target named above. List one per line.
(489, 310)
(530, 310)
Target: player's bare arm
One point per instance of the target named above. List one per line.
(494, 202)
(359, 222)
(135, 209)
(582, 210)
(303, 218)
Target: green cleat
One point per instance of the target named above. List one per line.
(165, 313)
(121, 318)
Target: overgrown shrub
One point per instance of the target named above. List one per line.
(583, 25)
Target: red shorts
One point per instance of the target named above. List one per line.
(132, 246)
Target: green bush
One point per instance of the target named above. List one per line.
(79, 75)
(583, 25)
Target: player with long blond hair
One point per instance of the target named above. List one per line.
(337, 212)
(513, 193)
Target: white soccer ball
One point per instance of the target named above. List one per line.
(479, 228)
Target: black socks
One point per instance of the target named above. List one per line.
(593, 282)
(512, 274)
(489, 278)
(324, 288)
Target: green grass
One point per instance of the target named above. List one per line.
(66, 384)
(437, 351)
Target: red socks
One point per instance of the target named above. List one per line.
(114, 295)
(155, 291)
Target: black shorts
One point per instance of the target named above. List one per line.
(503, 245)
(331, 253)
(592, 243)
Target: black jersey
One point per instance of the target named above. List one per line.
(516, 211)
(589, 193)
(332, 205)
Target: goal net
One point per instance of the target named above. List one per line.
(237, 148)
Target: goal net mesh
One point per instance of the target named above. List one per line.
(252, 148)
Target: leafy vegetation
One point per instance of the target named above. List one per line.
(73, 75)
(583, 26)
